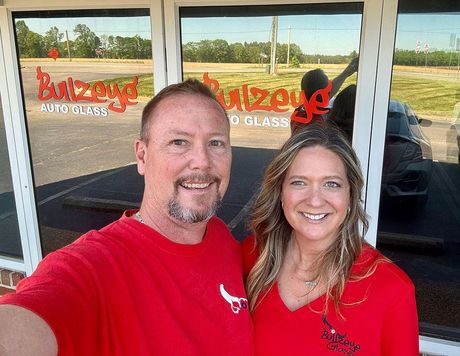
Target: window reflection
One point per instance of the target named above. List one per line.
(10, 242)
(255, 58)
(86, 76)
(420, 201)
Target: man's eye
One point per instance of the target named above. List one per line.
(216, 143)
(332, 184)
(179, 142)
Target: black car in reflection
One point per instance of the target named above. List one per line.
(407, 163)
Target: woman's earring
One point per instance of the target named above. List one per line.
(348, 210)
(282, 205)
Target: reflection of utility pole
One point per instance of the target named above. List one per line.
(289, 45)
(68, 46)
(273, 44)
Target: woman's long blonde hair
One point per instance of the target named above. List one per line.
(273, 232)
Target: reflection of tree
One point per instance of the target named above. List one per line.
(86, 42)
(53, 39)
(30, 43)
(434, 58)
(34, 45)
(220, 51)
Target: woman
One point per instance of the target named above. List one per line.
(315, 287)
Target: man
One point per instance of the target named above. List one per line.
(165, 280)
(317, 89)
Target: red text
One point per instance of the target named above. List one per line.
(279, 101)
(76, 90)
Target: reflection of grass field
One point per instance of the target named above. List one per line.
(431, 97)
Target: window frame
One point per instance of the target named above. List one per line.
(374, 78)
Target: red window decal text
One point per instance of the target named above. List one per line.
(279, 101)
(76, 90)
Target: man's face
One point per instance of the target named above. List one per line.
(187, 161)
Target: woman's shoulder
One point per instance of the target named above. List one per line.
(382, 269)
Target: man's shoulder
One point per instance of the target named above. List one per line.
(218, 226)
(219, 232)
(90, 246)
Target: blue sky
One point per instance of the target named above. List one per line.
(315, 34)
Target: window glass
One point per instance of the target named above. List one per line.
(10, 241)
(86, 76)
(254, 58)
(419, 219)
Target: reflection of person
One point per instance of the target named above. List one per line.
(343, 110)
(166, 280)
(315, 287)
(313, 81)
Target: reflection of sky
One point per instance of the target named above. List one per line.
(324, 34)
(116, 26)
(315, 34)
(435, 30)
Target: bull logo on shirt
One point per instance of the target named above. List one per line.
(236, 304)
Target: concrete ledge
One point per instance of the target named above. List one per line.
(409, 242)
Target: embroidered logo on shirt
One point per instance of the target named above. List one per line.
(336, 341)
(236, 304)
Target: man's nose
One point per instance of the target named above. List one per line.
(200, 157)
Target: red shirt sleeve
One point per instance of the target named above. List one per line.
(400, 328)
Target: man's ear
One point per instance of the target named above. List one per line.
(140, 149)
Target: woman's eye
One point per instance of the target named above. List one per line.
(332, 185)
(297, 182)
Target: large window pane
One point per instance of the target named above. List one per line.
(419, 220)
(10, 241)
(254, 58)
(86, 76)
(233, 47)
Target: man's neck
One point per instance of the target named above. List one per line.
(173, 230)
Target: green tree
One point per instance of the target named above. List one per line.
(85, 42)
(294, 63)
(52, 39)
(189, 52)
(30, 44)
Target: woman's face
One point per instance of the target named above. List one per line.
(316, 196)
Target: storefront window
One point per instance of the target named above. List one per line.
(10, 241)
(255, 57)
(86, 76)
(419, 220)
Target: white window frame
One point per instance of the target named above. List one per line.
(13, 111)
(374, 77)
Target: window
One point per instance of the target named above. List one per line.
(86, 76)
(254, 58)
(10, 242)
(419, 216)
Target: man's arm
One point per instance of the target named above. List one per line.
(23, 333)
(338, 81)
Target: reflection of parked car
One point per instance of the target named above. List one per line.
(407, 162)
